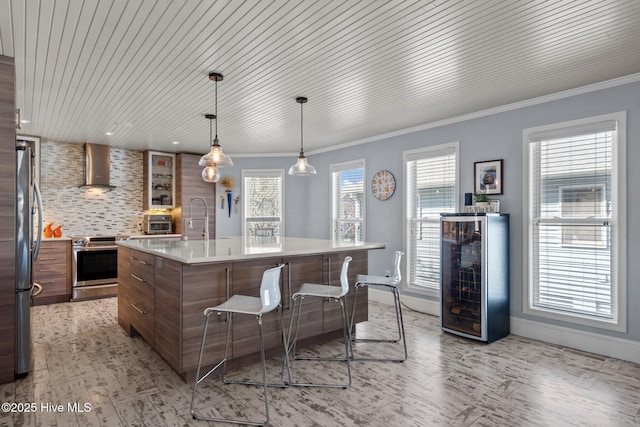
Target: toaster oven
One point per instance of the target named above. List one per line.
(157, 224)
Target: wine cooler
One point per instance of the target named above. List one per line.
(474, 274)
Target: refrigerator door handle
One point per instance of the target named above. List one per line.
(36, 189)
(36, 290)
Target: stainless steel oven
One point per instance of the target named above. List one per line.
(95, 267)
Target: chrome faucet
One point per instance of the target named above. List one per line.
(205, 231)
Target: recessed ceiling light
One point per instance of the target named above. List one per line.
(25, 121)
(175, 142)
(108, 133)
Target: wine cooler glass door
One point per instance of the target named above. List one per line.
(463, 299)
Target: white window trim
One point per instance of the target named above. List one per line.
(339, 167)
(411, 155)
(277, 173)
(619, 187)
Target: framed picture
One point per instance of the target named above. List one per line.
(488, 177)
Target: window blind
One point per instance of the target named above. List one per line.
(573, 220)
(431, 190)
(348, 201)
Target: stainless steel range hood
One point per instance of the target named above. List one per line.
(98, 166)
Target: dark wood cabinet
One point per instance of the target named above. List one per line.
(246, 280)
(359, 265)
(332, 266)
(7, 219)
(168, 276)
(189, 184)
(142, 295)
(52, 271)
(124, 299)
(201, 286)
(136, 293)
(296, 271)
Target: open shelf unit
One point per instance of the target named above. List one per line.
(159, 178)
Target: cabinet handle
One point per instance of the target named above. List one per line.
(132, 258)
(46, 259)
(289, 284)
(136, 277)
(46, 281)
(329, 271)
(138, 309)
(46, 270)
(227, 272)
(144, 262)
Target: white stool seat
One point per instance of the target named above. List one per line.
(377, 280)
(322, 291)
(240, 304)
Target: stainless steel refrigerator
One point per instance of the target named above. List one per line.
(28, 206)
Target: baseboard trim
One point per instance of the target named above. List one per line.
(618, 348)
(418, 304)
(581, 340)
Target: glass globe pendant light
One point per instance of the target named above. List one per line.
(302, 167)
(210, 173)
(215, 158)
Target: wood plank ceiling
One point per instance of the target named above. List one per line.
(139, 68)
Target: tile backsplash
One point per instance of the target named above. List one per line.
(84, 210)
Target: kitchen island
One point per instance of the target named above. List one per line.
(165, 285)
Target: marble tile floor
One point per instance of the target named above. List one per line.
(82, 356)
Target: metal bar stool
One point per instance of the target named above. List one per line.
(390, 283)
(322, 291)
(269, 300)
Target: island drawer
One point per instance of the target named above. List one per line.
(141, 301)
(142, 260)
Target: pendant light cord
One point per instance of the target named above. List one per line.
(216, 108)
(301, 134)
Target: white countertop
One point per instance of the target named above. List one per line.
(156, 236)
(237, 248)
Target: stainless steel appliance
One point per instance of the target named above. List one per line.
(27, 192)
(98, 165)
(95, 267)
(157, 224)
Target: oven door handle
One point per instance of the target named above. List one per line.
(93, 248)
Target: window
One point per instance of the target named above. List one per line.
(432, 188)
(575, 221)
(347, 201)
(262, 203)
(579, 202)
